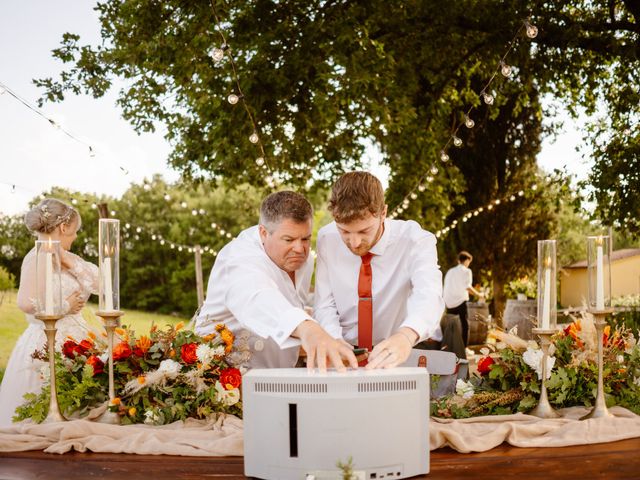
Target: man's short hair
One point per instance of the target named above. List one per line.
(355, 194)
(464, 256)
(284, 205)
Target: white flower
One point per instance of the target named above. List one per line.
(631, 343)
(204, 353)
(620, 359)
(151, 417)
(227, 397)
(104, 357)
(218, 351)
(533, 358)
(169, 368)
(464, 389)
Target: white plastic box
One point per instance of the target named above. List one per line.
(298, 425)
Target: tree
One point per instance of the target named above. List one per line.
(323, 76)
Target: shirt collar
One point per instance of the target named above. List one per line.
(381, 245)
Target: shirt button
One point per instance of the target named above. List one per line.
(258, 346)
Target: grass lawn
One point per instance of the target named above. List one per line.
(13, 323)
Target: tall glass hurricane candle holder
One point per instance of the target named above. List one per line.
(109, 298)
(547, 291)
(599, 272)
(547, 325)
(109, 256)
(49, 310)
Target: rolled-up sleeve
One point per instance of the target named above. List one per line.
(425, 304)
(255, 300)
(325, 311)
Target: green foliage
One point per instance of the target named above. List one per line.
(524, 285)
(7, 280)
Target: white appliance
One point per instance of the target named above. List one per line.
(298, 425)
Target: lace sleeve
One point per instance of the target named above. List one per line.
(27, 291)
(85, 272)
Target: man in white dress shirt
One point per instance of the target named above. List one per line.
(260, 284)
(457, 286)
(377, 281)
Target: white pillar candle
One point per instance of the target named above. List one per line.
(107, 281)
(599, 276)
(546, 297)
(48, 281)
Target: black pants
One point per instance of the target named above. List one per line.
(462, 312)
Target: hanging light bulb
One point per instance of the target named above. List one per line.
(94, 206)
(147, 187)
(421, 188)
(167, 197)
(194, 212)
(414, 196)
(532, 30)
(233, 98)
(468, 122)
(488, 98)
(444, 157)
(161, 242)
(218, 53)
(505, 69)
(433, 170)
(512, 198)
(457, 141)
(260, 161)
(214, 225)
(626, 132)
(253, 138)
(429, 179)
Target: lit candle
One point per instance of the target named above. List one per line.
(599, 275)
(48, 280)
(546, 297)
(107, 281)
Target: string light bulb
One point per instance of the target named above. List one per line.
(505, 69)
(488, 98)
(444, 157)
(260, 161)
(532, 30)
(218, 53)
(233, 98)
(414, 196)
(468, 122)
(457, 141)
(421, 188)
(253, 138)
(434, 170)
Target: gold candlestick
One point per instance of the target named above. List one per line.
(544, 408)
(599, 409)
(111, 321)
(50, 329)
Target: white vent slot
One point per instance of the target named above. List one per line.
(397, 386)
(268, 387)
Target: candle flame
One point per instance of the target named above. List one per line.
(50, 244)
(599, 241)
(547, 262)
(109, 251)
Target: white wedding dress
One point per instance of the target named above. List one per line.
(23, 373)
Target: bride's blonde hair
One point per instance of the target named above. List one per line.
(48, 214)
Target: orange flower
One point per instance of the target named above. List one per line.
(227, 338)
(179, 326)
(208, 338)
(143, 343)
(91, 335)
(123, 334)
(605, 334)
(142, 379)
(153, 328)
(115, 401)
(172, 353)
(132, 411)
(220, 327)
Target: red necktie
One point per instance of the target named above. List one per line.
(365, 304)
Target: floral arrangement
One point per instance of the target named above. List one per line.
(168, 375)
(508, 379)
(525, 286)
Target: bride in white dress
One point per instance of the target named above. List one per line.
(53, 219)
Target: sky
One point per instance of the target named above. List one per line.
(34, 156)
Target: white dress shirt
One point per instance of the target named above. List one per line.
(406, 283)
(456, 282)
(247, 290)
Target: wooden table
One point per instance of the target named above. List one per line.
(585, 462)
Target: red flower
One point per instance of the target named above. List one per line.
(84, 346)
(188, 353)
(96, 363)
(121, 351)
(230, 378)
(71, 349)
(484, 365)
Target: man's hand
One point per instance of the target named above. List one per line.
(320, 346)
(394, 350)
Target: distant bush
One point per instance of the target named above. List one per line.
(7, 282)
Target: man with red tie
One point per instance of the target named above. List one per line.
(378, 284)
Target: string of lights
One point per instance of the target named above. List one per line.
(218, 54)
(488, 97)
